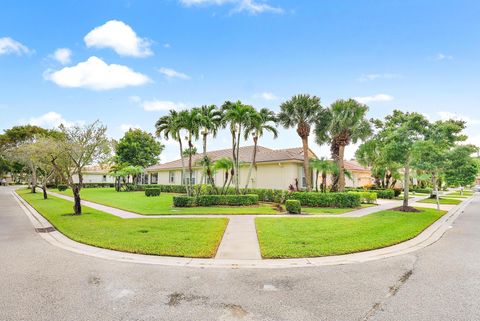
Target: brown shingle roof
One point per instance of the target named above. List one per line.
(353, 165)
(263, 155)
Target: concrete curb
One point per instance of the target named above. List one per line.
(429, 236)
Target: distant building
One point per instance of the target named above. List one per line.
(95, 175)
(276, 169)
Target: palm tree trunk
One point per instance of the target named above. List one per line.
(252, 164)
(335, 151)
(205, 134)
(316, 180)
(183, 163)
(237, 171)
(306, 168)
(324, 182)
(190, 172)
(225, 180)
(341, 169)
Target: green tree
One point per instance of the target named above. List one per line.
(301, 111)
(191, 121)
(345, 122)
(210, 121)
(399, 134)
(324, 167)
(237, 117)
(138, 148)
(261, 122)
(461, 168)
(226, 164)
(78, 147)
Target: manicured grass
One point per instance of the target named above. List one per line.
(331, 210)
(137, 202)
(312, 237)
(458, 195)
(443, 200)
(170, 237)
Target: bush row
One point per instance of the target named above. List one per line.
(152, 191)
(181, 189)
(422, 190)
(212, 200)
(366, 197)
(314, 199)
(386, 193)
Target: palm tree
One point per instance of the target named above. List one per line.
(190, 120)
(170, 126)
(225, 164)
(300, 112)
(210, 119)
(345, 123)
(264, 120)
(324, 167)
(237, 116)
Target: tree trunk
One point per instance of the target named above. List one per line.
(324, 182)
(316, 180)
(44, 189)
(435, 190)
(183, 161)
(77, 207)
(335, 151)
(205, 134)
(237, 170)
(190, 172)
(406, 185)
(306, 168)
(341, 169)
(34, 180)
(252, 164)
(225, 180)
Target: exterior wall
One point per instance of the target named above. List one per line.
(95, 178)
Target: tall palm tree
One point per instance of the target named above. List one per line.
(301, 111)
(210, 119)
(345, 123)
(324, 167)
(190, 120)
(225, 164)
(170, 126)
(264, 120)
(237, 117)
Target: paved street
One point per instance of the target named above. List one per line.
(41, 282)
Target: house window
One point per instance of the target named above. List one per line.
(171, 177)
(104, 178)
(187, 180)
(154, 178)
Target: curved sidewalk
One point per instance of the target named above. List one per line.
(430, 235)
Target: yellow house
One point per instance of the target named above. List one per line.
(276, 169)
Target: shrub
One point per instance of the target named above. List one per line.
(293, 206)
(385, 194)
(152, 191)
(422, 190)
(366, 197)
(314, 199)
(180, 189)
(397, 192)
(95, 185)
(183, 201)
(62, 187)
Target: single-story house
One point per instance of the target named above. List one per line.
(95, 175)
(276, 169)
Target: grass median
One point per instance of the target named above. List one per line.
(169, 237)
(442, 200)
(137, 202)
(313, 237)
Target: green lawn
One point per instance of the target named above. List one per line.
(443, 200)
(331, 210)
(137, 202)
(171, 237)
(458, 195)
(312, 237)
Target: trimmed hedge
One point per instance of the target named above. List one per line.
(264, 194)
(293, 206)
(95, 185)
(152, 192)
(62, 187)
(422, 190)
(385, 194)
(314, 199)
(181, 189)
(213, 200)
(366, 197)
(183, 201)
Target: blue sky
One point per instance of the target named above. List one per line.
(127, 62)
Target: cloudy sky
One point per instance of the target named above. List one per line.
(128, 62)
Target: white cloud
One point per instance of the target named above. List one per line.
(134, 99)
(446, 115)
(170, 73)
(167, 45)
(97, 75)
(127, 127)
(120, 37)
(161, 105)
(370, 77)
(373, 98)
(249, 6)
(11, 46)
(266, 96)
(52, 120)
(440, 56)
(62, 55)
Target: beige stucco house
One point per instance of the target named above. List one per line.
(95, 175)
(276, 169)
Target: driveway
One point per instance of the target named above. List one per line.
(42, 282)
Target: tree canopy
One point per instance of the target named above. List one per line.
(138, 148)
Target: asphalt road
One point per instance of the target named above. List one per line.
(42, 282)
